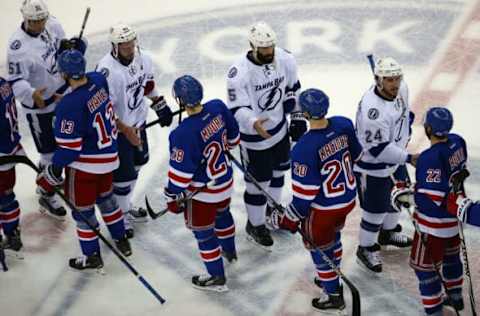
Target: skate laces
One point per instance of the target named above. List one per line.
(82, 260)
(374, 257)
(398, 237)
(54, 201)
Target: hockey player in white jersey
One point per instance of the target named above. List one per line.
(383, 128)
(130, 75)
(263, 88)
(32, 71)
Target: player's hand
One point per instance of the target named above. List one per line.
(49, 178)
(412, 159)
(72, 43)
(163, 111)
(298, 126)
(37, 97)
(401, 196)
(288, 220)
(290, 102)
(132, 134)
(176, 202)
(457, 205)
(258, 126)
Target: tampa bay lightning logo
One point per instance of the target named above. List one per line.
(16, 44)
(269, 100)
(105, 72)
(373, 113)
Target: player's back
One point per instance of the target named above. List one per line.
(9, 136)
(330, 152)
(89, 112)
(434, 168)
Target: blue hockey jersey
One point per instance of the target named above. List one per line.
(197, 153)
(9, 136)
(434, 168)
(85, 129)
(322, 168)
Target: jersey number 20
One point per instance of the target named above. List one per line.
(334, 186)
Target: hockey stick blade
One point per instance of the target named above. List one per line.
(151, 212)
(18, 159)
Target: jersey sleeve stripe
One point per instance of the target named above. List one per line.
(234, 142)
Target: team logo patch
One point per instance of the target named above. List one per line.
(233, 72)
(105, 72)
(373, 114)
(16, 44)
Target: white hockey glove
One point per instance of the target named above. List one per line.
(401, 196)
(288, 220)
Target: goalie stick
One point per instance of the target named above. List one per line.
(356, 305)
(25, 160)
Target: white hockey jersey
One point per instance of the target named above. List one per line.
(32, 64)
(127, 86)
(383, 129)
(258, 91)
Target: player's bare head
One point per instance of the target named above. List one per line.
(262, 40)
(71, 64)
(314, 104)
(124, 42)
(438, 122)
(388, 76)
(35, 15)
(188, 92)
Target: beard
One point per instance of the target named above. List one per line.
(265, 59)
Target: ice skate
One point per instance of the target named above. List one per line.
(51, 205)
(83, 262)
(369, 258)
(230, 257)
(123, 245)
(13, 244)
(330, 304)
(394, 237)
(137, 215)
(259, 236)
(210, 283)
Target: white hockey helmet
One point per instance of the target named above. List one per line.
(122, 33)
(261, 35)
(387, 67)
(34, 10)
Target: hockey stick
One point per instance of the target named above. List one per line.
(84, 23)
(2, 257)
(457, 180)
(25, 160)
(190, 195)
(149, 124)
(356, 306)
(371, 62)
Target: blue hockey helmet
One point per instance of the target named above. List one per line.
(440, 120)
(187, 90)
(72, 63)
(315, 102)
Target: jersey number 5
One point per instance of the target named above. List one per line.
(339, 174)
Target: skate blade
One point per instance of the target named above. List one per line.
(366, 269)
(265, 248)
(450, 311)
(14, 254)
(339, 312)
(215, 288)
(46, 212)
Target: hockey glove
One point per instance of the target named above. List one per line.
(290, 101)
(176, 203)
(288, 220)
(401, 196)
(298, 126)
(458, 205)
(163, 111)
(49, 178)
(73, 43)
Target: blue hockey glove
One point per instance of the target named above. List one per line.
(289, 103)
(73, 43)
(163, 111)
(298, 126)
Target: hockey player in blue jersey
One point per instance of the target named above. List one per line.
(9, 145)
(197, 156)
(86, 137)
(437, 243)
(324, 190)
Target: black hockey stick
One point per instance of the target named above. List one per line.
(190, 195)
(371, 62)
(2, 257)
(154, 122)
(457, 180)
(25, 160)
(356, 304)
(84, 23)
